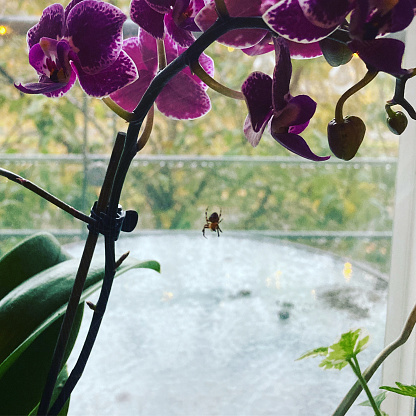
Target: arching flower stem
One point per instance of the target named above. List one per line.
(221, 9)
(369, 76)
(161, 54)
(143, 139)
(215, 85)
(121, 112)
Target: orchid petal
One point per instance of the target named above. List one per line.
(182, 37)
(401, 15)
(37, 57)
(298, 128)
(252, 136)
(264, 46)
(121, 73)
(240, 38)
(304, 50)
(257, 90)
(161, 6)
(296, 144)
(381, 54)
(303, 108)
(40, 87)
(325, 13)
(51, 25)
(47, 87)
(282, 74)
(182, 98)
(95, 28)
(146, 53)
(70, 6)
(130, 96)
(287, 19)
(147, 18)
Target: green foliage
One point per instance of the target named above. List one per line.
(403, 389)
(379, 398)
(339, 354)
(31, 313)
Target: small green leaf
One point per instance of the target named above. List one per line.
(314, 353)
(338, 354)
(403, 389)
(378, 400)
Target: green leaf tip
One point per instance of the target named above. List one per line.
(403, 389)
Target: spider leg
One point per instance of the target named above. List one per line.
(203, 230)
(206, 215)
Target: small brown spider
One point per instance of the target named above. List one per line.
(212, 222)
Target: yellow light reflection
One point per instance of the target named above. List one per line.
(313, 293)
(167, 296)
(347, 272)
(274, 281)
(3, 30)
(230, 49)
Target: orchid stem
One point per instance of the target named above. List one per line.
(80, 278)
(46, 195)
(143, 139)
(121, 112)
(221, 9)
(161, 54)
(369, 76)
(356, 389)
(212, 83)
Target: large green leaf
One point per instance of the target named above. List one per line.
(29, 326)
(31, 256)
(55, 285)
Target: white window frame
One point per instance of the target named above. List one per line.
(400, 365)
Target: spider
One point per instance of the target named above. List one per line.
(212, 222)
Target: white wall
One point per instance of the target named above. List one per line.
(400, 366)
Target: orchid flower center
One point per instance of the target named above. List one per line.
(56, 64)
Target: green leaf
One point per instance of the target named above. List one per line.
(32, 309)
(378, 400)
(63, 376)
(403, 389)
(22, 385)
(337, 355)
(31, 256)
(314, 353)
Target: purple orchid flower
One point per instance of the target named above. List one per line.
(269, 103)
(371, 18)
(83, 41)
(184, 97)
(174, 17)
(308, 21)
(383, 54)
(242, 38)
(251, 41)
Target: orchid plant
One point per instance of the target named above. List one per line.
(165, 64)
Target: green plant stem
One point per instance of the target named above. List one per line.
(46, 195)
(213, 84)
(80, 280)
(221, 9)
(369, 76)
(356, 369)
(356, 389)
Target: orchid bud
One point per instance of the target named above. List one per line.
(397, 122)
(345, 137)
(334, 52)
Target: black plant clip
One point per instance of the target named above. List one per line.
(111, 227)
